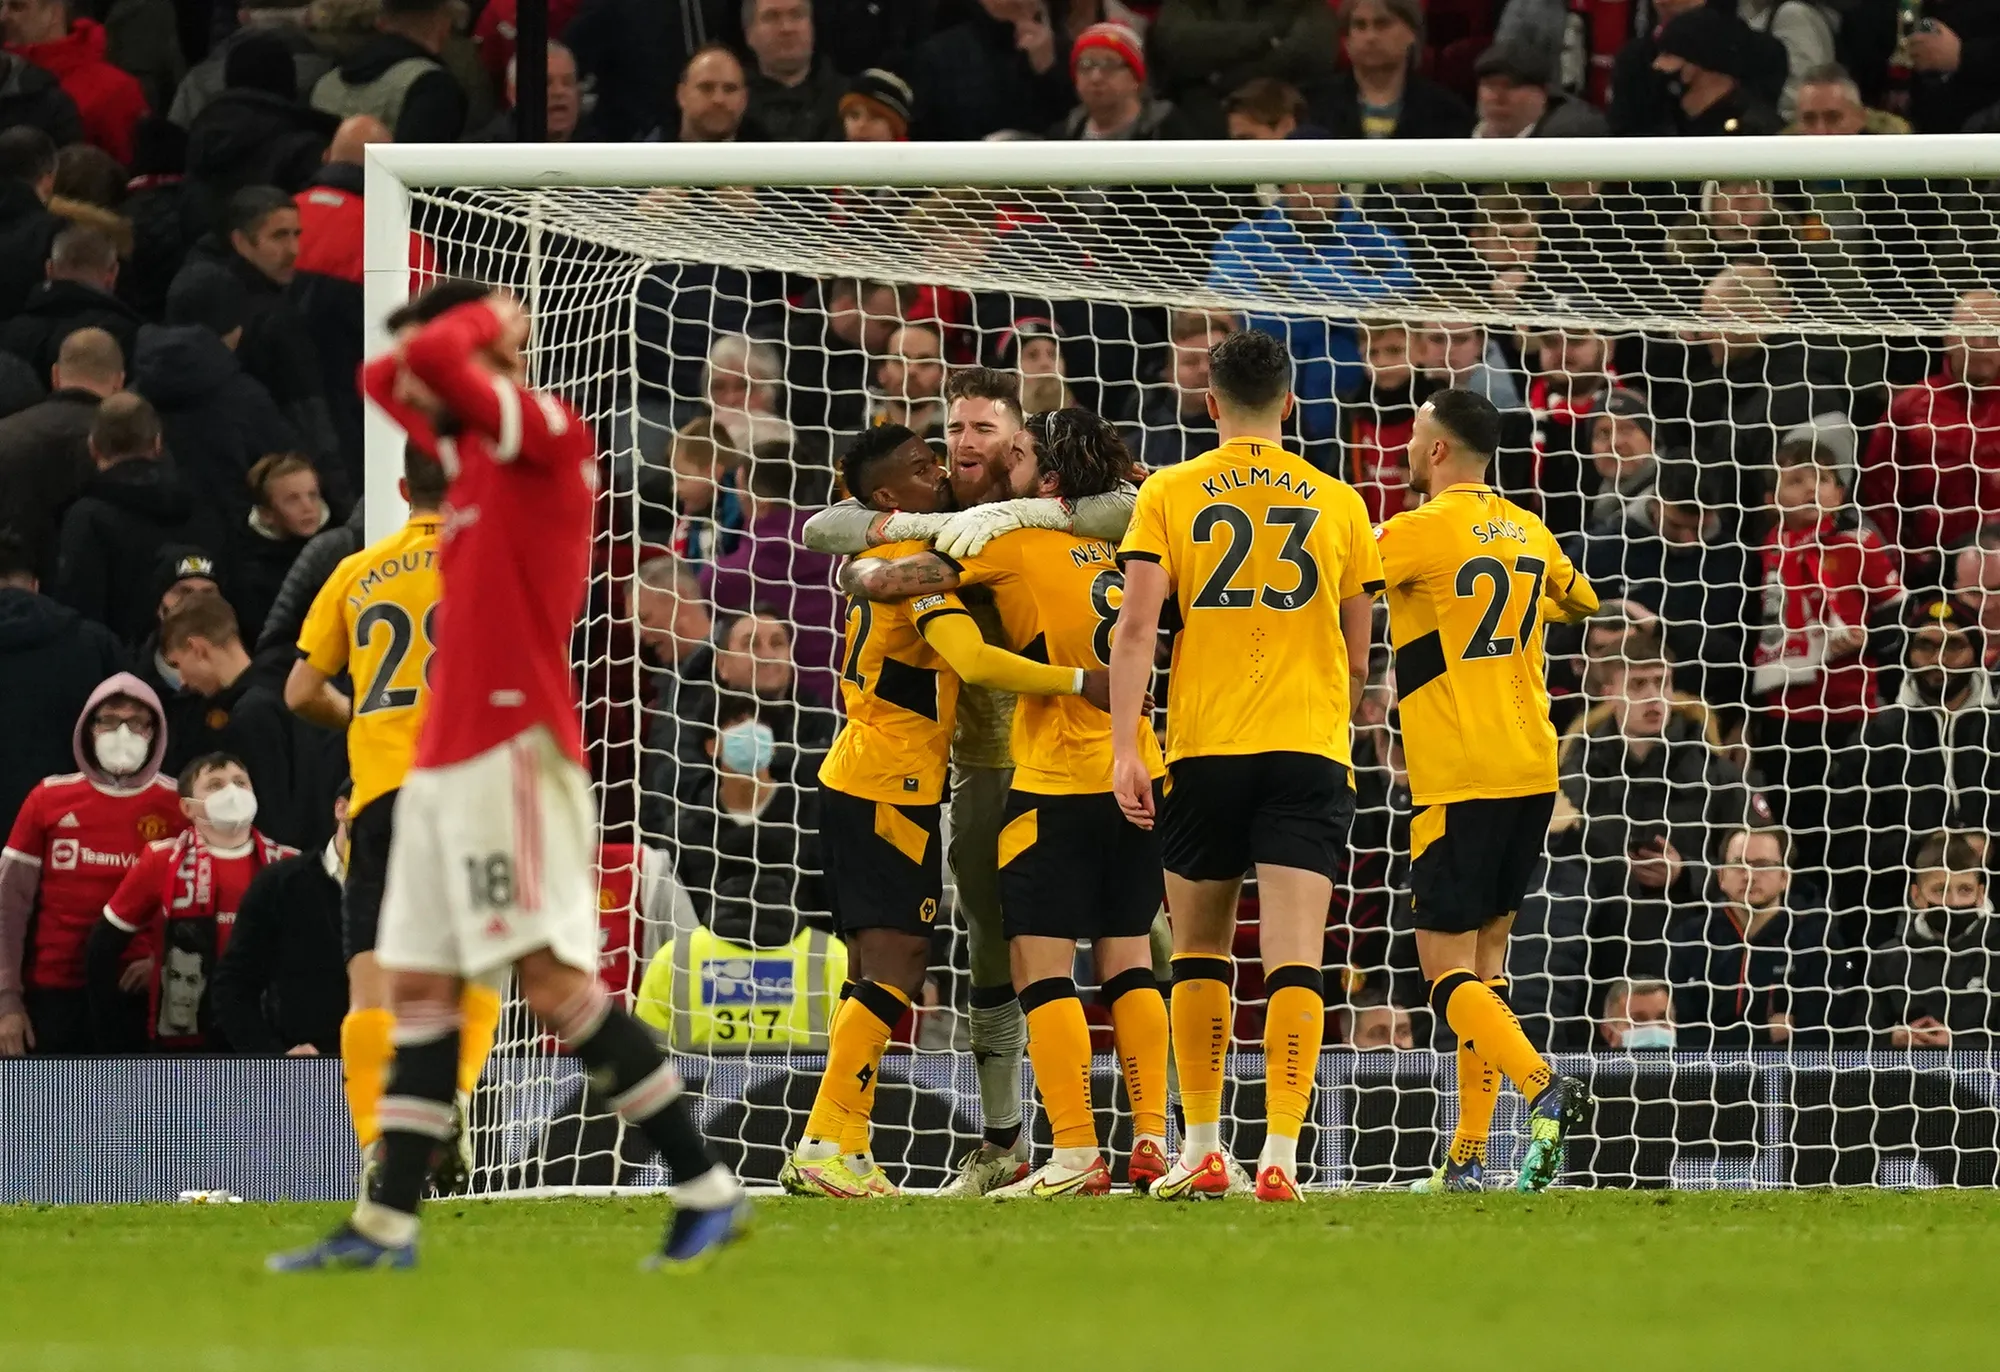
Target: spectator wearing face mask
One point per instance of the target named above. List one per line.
(1638, 1017)
(75, 837)
(1752, 969)
(169, 922)
(281, 983)
(1928, 761)
(746, 848)
(1932, 985)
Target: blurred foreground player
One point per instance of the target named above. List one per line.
(375, 620)
(1273, 570)
(1470, 575)
(492, 864)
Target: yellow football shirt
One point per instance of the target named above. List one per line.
(900, 699)
(373, 618)
(1467, 575)
(1058, 597)
(1261, 547)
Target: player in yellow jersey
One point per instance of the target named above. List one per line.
(880, 788)
(1272, 570)
(1071, 866)
(1471, 578)
(372, 621)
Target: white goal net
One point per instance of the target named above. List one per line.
(1754, 386)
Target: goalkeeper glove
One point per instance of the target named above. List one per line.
(899, 527)
(971, 530)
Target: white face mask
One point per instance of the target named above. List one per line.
(122, 751)
(232, 807)
(1642, 1037)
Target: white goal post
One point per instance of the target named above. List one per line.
(1754, 305)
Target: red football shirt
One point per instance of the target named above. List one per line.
(516, 546)
(85, 839)
(184, 929)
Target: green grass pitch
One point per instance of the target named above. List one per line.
(1615, 1281)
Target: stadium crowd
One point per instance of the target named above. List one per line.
(1780, 739)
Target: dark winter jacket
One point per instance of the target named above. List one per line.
(1164, 435)
(44, 465)
(1727, 987)
(806, 113)
(1700, 591)
(217, 420)
(308, 572)
(433, 110)
(29, 95)
(57, 309)
(1734, 413)
(261, 558)
(735, 870)
(251, 138)
(325, 295)
(1943, 105)
(26, 231)
(276, 349)
(632, 51)
(161, 235)
(1918, 769)
(1200, 50)
(111, 539)
(1158, 119)
(283, 980)
(1429, 110)
(1949, 979)
(249, 719)
(971, 80)
(51, 659)
(1682, 787)
(680, 708)
(204, 81)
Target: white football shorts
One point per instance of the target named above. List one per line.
(493, 857)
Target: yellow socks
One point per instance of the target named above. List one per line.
(1485, 1025)
(1139, 1024)
(854, 1137)
(366, 1050)
(1478, 1093)
(1294, 1025)
(479, 1020)
(1059, 1047)
(1200, 1012)
(854, 1056)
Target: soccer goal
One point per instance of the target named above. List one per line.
(1750, 383)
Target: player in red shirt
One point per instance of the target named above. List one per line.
(167, 924)
(493, 862)
(76, 835)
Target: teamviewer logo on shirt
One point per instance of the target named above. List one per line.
(746, 981)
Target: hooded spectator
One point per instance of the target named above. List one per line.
(1752, 970)
(51, 658)
(45, 458)
(1700, 55)
(397, 77)
(1928, 761)
(132, 507)
(281, 984)
(82, 273)
(258, 245)
(286, 510)
(1380, 94)
(169, 922)
(253, 133)
(218, 419)
(1107, 65)
(1932, 985)
(71, 843)
(1000, 67)
(1204, 49)
(876, 108)
(1516, 99)
(27, 229)
(110, 101)
(279, 20)
(1932, 474)
(795, 93)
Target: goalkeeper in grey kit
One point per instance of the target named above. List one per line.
(982, 429)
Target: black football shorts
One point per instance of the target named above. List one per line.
(884, 863)
(1471, 860)
(369, 835)
(1072, 866)
(1225, 813)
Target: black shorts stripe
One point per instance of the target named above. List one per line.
(1418, 663)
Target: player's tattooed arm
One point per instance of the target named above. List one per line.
(874, 578)
(851, 527)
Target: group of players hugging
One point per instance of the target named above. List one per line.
(1014, 599)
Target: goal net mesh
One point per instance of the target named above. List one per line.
(1762, 416)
